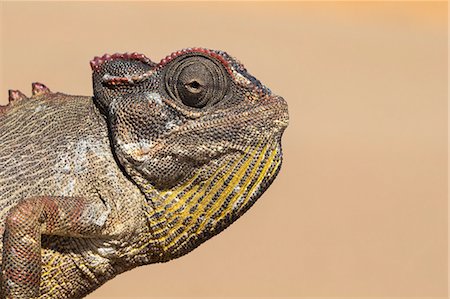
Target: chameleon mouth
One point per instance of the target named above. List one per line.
(97, 62)
(271, 115)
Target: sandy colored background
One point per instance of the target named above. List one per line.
(359, 208)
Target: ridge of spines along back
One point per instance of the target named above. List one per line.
(15, 96)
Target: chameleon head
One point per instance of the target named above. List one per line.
(196, 129)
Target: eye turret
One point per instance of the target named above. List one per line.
(196, 81)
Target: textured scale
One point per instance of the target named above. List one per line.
(94, 186)
(37, 159)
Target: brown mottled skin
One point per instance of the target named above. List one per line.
(162, 158)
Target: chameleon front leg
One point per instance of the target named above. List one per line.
(26, 222)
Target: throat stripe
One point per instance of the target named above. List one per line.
(236, 180)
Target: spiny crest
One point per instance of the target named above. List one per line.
(212, 53)
(15, 96)
(39, 88)
(98, 61)
(233, 66)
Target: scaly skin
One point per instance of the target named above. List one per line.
(162, 158)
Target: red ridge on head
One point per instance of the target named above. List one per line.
(208, 52)
(98, 61)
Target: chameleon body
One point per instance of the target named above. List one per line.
(163, 157)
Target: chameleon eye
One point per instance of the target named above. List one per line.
(196, 81)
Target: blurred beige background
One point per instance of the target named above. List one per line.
(359, 208)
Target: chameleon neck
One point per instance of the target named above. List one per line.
(184, 217)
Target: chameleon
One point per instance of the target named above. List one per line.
(160, 159)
